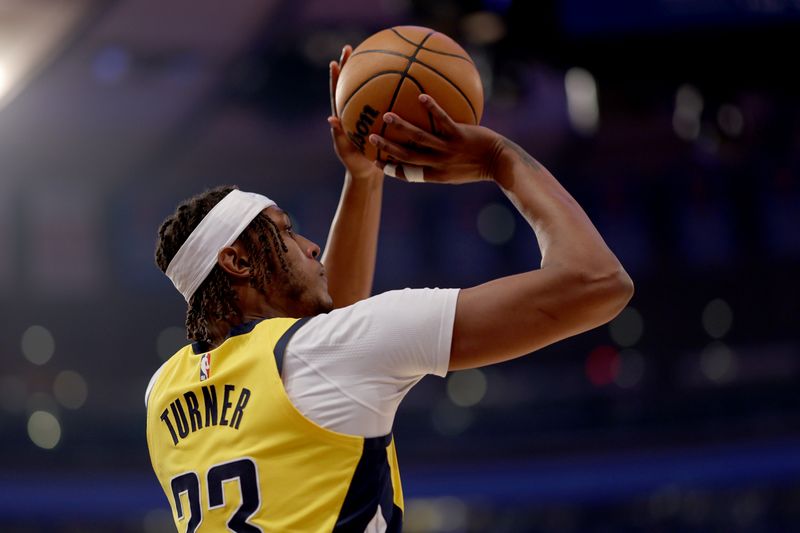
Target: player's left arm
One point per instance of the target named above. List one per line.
(350, 252)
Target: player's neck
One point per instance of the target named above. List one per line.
(252, 305)
(221, 330)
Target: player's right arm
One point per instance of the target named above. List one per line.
(580, 284)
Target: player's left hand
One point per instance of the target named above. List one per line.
(354, 161)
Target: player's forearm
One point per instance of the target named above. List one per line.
(567, 238)
(351, 249)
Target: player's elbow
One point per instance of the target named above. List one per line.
(621, 291)
(610, 289)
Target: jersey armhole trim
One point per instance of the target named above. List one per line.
(153, 382)
(280, 346)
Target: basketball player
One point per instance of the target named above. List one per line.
(279, 416)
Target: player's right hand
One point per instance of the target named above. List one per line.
(456, 153)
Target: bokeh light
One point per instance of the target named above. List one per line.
(158, 521)
(496, 224)
(631, 369)
(718, 362)
(4, 81)
(435, 514)
(627, 328)
(688, 110)
(483, 27)
(582, 105)
(467, 387)
(602, 365)
(717, 318)
(70, 389)
(423, 515)
(38, 344)
(44, 429)
(730, 120)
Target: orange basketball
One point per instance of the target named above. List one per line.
(390, 69)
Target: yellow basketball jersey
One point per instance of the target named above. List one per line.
(232, 453)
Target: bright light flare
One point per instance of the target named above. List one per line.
(582, 105)
(4, 80)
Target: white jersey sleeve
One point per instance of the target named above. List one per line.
(348, 370)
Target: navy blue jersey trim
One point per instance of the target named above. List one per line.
(241, 329)
(199, 347)
(280, 346)
(377, 443)
(370, 489)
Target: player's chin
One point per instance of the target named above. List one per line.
(313, 304)
(325, 303)
(324, 297)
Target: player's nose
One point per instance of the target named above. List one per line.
(311, 248)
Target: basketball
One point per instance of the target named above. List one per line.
(390, 69)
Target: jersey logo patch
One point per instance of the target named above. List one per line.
(205, 367)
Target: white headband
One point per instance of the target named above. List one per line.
(219, 228)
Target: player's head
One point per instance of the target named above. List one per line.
(244, 259)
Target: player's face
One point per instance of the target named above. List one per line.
(303, 291)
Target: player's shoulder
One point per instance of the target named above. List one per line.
(367, 315)
(337, 324)
(386, 300)
(365, 308)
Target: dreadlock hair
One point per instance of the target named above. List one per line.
(215, 300)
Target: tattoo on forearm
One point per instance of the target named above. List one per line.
(525, 156)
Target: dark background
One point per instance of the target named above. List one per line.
(681, 415)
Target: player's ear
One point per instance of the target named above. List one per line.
(235, 261)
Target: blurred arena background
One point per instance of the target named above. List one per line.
(675, 123)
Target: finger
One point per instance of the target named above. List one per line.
(337, 130)
(340, 140)
(390, 148)
(442, 120)
(335, 70)
(335, 124)
(333, 79)
(400, 154)
(347, 51)
(416, 136)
